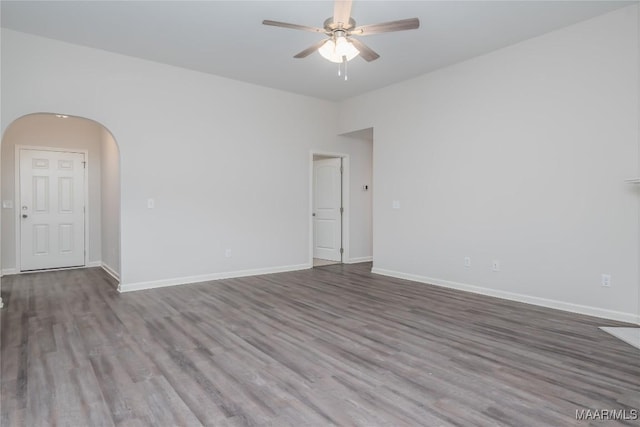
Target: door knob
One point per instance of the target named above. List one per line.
(24, 215)
(313, 214)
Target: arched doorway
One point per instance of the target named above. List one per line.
(54, 136)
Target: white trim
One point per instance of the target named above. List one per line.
(543, 302)
(110, 271)
(1, 303)
(17, 194)
(12, 271)
(46, 270)
(359, 259)
(129, 287)
(346, 172)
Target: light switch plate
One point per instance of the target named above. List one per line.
(7, 204)
(396, 204)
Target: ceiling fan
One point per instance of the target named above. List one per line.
(341, 45)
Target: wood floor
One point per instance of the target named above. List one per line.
(333, 345)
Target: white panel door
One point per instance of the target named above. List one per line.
(327, 201)
(51, 209)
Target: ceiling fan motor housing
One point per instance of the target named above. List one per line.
(331, 26)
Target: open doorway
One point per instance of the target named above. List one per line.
(329, 225)
(60, 195)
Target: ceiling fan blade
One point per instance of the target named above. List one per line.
(386, 27)
(292, 26)
(366, 52)
(308, 51)
(342, 12)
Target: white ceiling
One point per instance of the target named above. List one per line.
(227, 38)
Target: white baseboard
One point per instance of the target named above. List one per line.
(129, 287)
(543, 302)
(359, 259)
(110, 271)
(9, 271)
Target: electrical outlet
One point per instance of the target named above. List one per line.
(227, 253)
(151, 203)
(495, 266)
(467, 261)
(606, 280)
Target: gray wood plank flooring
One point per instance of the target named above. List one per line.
(334, 345)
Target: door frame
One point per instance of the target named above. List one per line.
(16, 199)
(345, 202)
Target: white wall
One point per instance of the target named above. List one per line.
(637, 176)
(519, 155)
(110, 203)
(46, 130)
(225, 161)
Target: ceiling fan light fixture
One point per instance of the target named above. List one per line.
(335, 50)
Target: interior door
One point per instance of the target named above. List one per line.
(327, 206)
(51, 209)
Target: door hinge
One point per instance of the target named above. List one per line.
(341, 169)
(341, 210)
(341, 251)
(84, 165)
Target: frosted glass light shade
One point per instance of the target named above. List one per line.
(334, 51)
